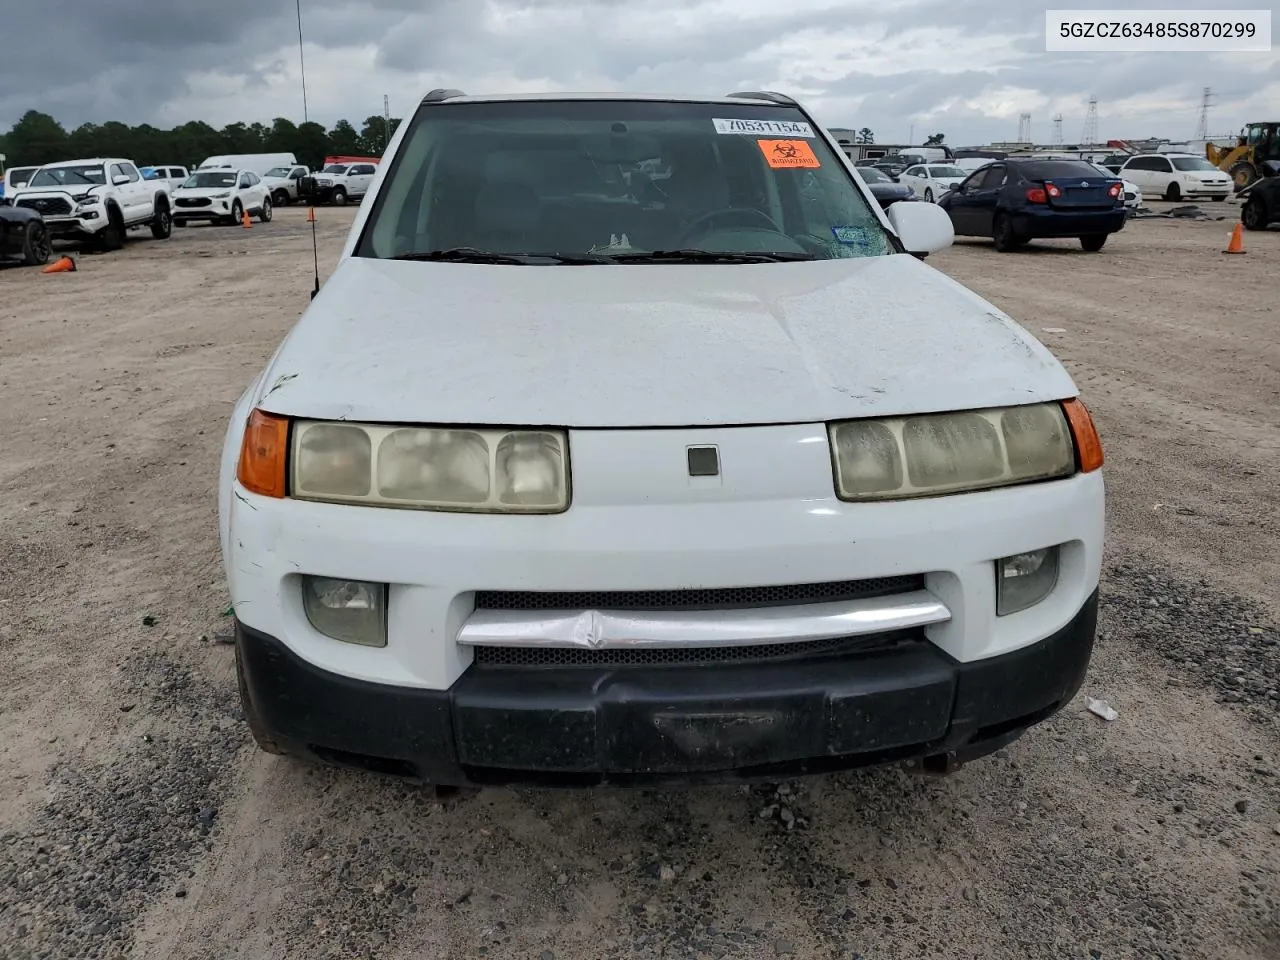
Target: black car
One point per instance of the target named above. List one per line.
(1262, 207)
(883, 188)
(1014, 201)
(23, 234)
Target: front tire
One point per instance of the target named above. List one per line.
(1243, 173)
(36, 247)
(237, 212)
(162, 223)
(1094, 242)
(1173, 193)
(264, 215)
(340, 197)
(1254, 214)
(280, 198)
(928, 195)
(111, 237)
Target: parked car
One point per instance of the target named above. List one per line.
(1016, 201)
(14, 178)
(553, 484)
(282, 182)
(1177, 176)
(339, 182)
(893, 165)
(1262, 205)
(172, 174)
(929, 181)
(97, 201)
(221, 196)
(882, 188)
(23, 234)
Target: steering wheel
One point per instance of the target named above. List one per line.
(748, 216)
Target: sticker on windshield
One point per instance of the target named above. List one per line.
(788, 154)
(854, 236)
(780, 128)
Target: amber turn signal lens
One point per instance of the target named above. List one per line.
(262, 454)
(1085, 434)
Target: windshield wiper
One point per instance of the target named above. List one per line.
(476, 255)
(708, 256)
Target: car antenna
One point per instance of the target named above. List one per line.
(302, 64)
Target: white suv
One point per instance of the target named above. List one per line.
(570, 474)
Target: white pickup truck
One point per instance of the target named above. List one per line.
(98, 201)
(283, 183)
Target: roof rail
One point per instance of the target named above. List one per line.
(764, 95)
(441, 93)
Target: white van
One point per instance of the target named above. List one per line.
(258, 163)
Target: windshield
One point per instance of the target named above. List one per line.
(872, 175)
(580, 178)
(76, 175)
(335, 168)
(211, 178)
(945, 172)
(1192, 163)
(281, 172)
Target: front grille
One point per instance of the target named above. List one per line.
(691, 656)
(1130, 196)
(193, 202)
(720, 598)
(47, 206)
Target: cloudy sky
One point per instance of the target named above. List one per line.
(967, 68)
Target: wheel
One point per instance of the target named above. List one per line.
(111, 237)
(1094, 242)
(1243, 173)
(1006, 240)
(280, 198)
(264, 215)
(36, 248)
(1174, 193)
(237, 211)
(256, 729)
(339, 196)
(162, 223)
(1254, 214)
(928, 195)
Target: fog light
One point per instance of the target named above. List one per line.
(1025, 579)
(352, 611)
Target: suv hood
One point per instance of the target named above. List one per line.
(204, 191)
(651, 345)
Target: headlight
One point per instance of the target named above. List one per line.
(921, 456)
(431, 468)
(221, 196)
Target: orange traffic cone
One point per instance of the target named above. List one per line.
(1237, 241)
(244, 219)
(61, 265)
(311, 214)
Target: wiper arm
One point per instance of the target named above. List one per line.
(709, 256)
(476, 255)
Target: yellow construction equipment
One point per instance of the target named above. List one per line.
(1257, 143)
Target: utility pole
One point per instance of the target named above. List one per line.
(1024, 128)
(1202, 132)
(386, 121)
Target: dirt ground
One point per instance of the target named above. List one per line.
(137, 820)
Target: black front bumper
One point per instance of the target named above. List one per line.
(582, 726)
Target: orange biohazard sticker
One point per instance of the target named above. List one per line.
(788, 154)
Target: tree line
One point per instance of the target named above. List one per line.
(38, 138)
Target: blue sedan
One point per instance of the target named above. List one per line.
(1014, 201)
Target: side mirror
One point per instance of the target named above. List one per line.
(119, 179)
(923, 228)
(952, 186)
